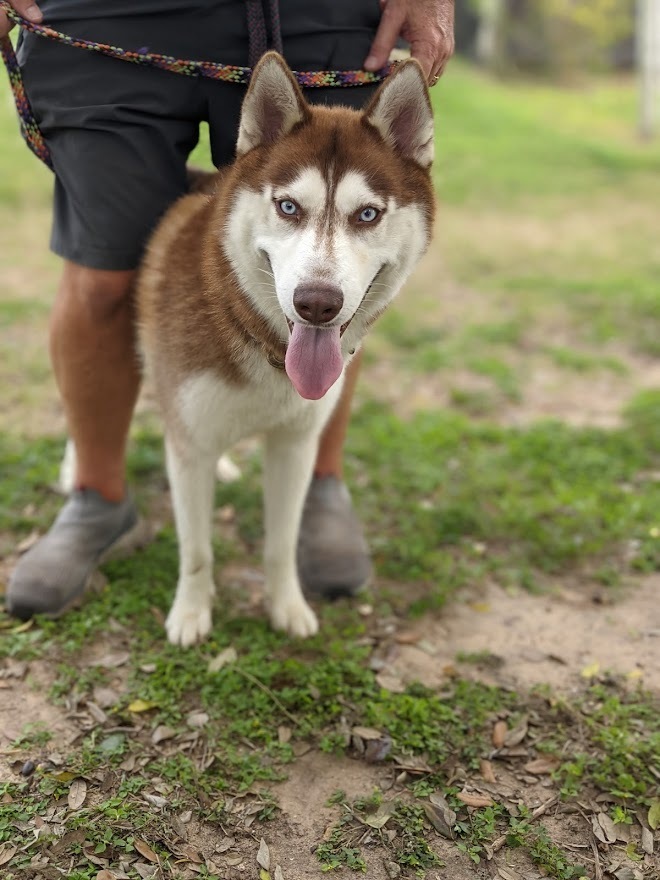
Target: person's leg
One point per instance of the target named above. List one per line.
(93, 356)
(119, 137)
(330, 456)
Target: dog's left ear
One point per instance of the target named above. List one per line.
(401, 111)
(272, 106)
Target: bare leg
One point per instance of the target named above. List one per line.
(93, 354)
(329, 459)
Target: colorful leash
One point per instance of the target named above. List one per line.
(208, 69)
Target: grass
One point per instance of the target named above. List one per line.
(548, 258)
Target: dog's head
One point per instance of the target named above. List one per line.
(331, 209)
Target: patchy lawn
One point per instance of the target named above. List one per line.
(489, 708)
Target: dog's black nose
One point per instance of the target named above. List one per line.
(318, 303)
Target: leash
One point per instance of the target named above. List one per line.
(207, 69)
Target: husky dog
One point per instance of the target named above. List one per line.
(256, 292)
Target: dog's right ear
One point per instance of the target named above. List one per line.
(272, 106)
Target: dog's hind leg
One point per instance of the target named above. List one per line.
(192, 482)
(288, 463)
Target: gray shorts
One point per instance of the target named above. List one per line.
(120, 135)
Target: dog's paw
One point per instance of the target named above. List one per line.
(295, 617)
(188, 625)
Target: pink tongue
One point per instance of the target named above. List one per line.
(313, 360)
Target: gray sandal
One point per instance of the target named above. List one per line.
(53, 574)
(333, 555)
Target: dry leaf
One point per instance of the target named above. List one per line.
(283, 734)
(145, 850)
(224, 658)
(7, 852)
(499, 732)
(486, 770)
(106, 875)
(77, 794)
(440, 815)
(598, 832)
(197, 719)
(381, 817)
(475, 800)
(161, 733)
(263, 856)
(278, 873)
(112, 661)
(517, 735)
(541, 766)
(390, 682)
(366, 732)
(647, 841)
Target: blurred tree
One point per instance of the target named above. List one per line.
(552, 36)
(648, 55)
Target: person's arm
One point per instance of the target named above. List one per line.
(26, 8)
(428, 25)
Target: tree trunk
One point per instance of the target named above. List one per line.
(648, 65)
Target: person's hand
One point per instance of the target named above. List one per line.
(428, 25)
(26, 8)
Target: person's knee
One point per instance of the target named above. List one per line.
(99, 294)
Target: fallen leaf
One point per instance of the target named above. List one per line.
(77, 794)
(366, 732)
(517, 735)
(161, 733)
(499, 732)
(440, 815)
(112, 661)
(381, 817)
(155, 800)
(7, 852)
(475, 800)
(106, 875)
(283, 734)
(631, 852)
(145, 850)
(390, 682)
(264, 875)
(278, 873)
(647, 841)
(263, 856)
(507, 875)
(138, 706)
(197, 719)
(486, 770)
(590, 671)
(541, 766)
(224, 658)
(654, 814)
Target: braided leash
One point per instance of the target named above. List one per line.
(208, 69)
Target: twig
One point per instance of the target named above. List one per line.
(597, 867)
(267, 690)
(539, 811)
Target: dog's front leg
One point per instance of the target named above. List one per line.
(288, 462)
(192, 481)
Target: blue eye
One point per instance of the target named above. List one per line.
(287, 207)
(368, 215)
